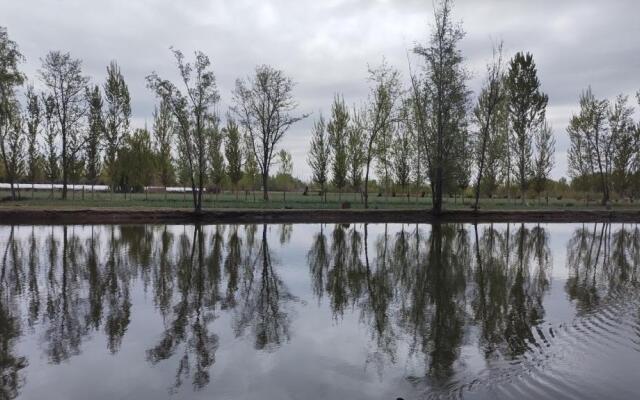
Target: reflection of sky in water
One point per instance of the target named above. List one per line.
(329, 355)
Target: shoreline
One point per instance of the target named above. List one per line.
(85, 216)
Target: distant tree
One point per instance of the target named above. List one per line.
(118, 113)
(380, 109)
(12, 141)
(51, 157)
(62, 75)
(216, 156)
(96, 133)
(337, 129)
(402, 148)
(285, 162)
(527, 105)
(485, 113)
(319, 154)
(626, 144)
(192, 110)
(590, 152)
(440, 98)
(233, 151)
(135, 162)
(383, 149)
(33, 122)
(498, 157)
(250, 168)
(355, 150)
(264, 105)
(544, 157)
(10, 79)
(164, 127)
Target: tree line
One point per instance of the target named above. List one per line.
(430, 133)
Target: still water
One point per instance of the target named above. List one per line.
(320, 311)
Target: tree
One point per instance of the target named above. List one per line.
(626, 144)
(527, 105)
(355, 150)
(485, 113)
(12, 147)
(440, 98)
(590, 152)
(95, 135)
(135, 163)
(62, 75)
(402, 148)
(10, 79)
(51, 165)
(233, 151)
(286, 163)
(33, 120)
(543, 161)
(118, 113)
(337, 129)
(163, 133)
(264, 105)
(192, 111)
(319, 154)
(379, 113)
(216, 158)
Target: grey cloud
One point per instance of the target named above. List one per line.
(326, 45)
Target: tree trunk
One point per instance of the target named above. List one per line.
(265, 189)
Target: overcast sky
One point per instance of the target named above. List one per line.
(325, 46)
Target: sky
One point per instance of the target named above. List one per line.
(326, 46)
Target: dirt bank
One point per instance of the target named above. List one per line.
(28, 215)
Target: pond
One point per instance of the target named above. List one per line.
(360, 311)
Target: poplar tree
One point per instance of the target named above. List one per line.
(527, 105)
(117, 117)
(320, 154)
(337, 129)
(355, 150)
(441, 98)
(62, 75)
(233, 152)
(163, 134)
(33, 122)
(544, 157)
(96, 132)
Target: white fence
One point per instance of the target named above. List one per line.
(87, 188)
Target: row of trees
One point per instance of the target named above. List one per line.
(75, 130)
(432, 131)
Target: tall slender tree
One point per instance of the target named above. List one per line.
(51, 155)
(163, 134)
(233, 151)
(545, 144)
(117, 117)
(319, 154)
(95, 135)
(379, 113)
(355, 150)
(441, 100)
(192, 110)
(216, 156)
(626, 145)
(62, 75)
(485, 114)
(10, 79)
(33, 122)
(590, 153)
(264, 106)
(337, 129)
(527, 105)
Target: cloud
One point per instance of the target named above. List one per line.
(326, 45)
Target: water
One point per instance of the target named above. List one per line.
(320, 312)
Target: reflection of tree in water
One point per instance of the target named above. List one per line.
(420, 284)
(262, 299)
(10, 287)
(188, 321)
(601, 263)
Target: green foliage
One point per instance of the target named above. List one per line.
(163, 136)
(135, 164)
(337, 129)
(233, 151)
(527, 106)
(118, 113)
(320, 153)
(95, 135)
(216, 158)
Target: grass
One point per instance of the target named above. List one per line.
(278, 200)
